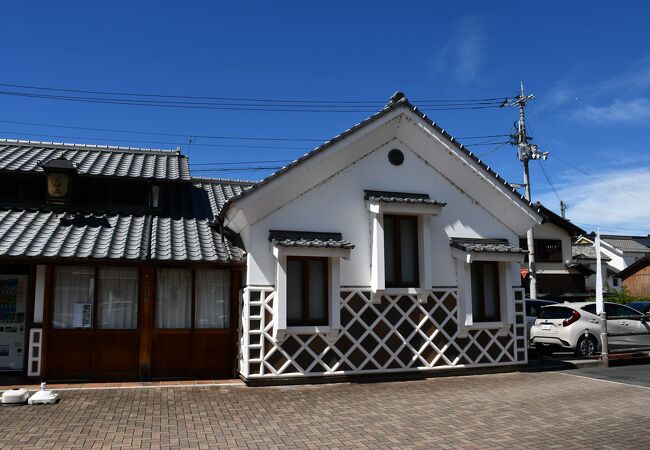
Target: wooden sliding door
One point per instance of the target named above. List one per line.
(92, 323)
(194, 323)
(110, 322)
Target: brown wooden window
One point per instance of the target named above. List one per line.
(401, 251)
(486, 304)
(307, 290)
(192, 299)
(89, 297)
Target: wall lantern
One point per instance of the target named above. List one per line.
(59, 172)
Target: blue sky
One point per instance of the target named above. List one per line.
(587, 63)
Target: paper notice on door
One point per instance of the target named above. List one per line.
(83, 314)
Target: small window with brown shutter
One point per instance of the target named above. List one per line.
(486, 299)
(307, 291)
(401, 251)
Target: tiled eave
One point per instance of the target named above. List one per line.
(307, 239)
(485, 246)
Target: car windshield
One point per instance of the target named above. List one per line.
(590, 308)
(555, 312)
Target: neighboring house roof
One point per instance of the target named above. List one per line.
(586, 252)
(400, 197)
(550, 216)
(398, 100)
(179, 231)
(485, 245)
(628, 244)
(283, 238)
(219, 191)
(580, 267)
(633, 268)
(27, 156)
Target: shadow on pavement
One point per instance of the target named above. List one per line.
(559, 361)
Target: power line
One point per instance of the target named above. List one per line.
(612, 228)
(185, 135)
(157, 142)
(195, 135)
(247, 99)
(238, 169)
(178, 144)
(503, 144)
(548, 180)
(242, 162)
(207, 106)
(599, 179)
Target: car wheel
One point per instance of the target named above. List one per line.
(587, 346)
(544, 350)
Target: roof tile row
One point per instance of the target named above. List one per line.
(26, 156)
(180, 232)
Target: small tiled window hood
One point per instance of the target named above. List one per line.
(405, 205)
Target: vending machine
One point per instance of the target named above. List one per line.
(13, 300)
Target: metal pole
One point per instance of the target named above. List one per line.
(524, 156)
(604, 354)
(530, 240)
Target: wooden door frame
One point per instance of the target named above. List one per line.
(146, 307)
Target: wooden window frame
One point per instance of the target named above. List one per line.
(480, 316)
(397, 241)
(95, 299)
(193, 289)
(304, 268)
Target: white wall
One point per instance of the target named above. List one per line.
(549, 230)
(337, 205)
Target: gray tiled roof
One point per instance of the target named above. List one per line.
(219, 191)
(43, 233)
(398, 100)
(587, 251)
(180, 231)
(24, 156)
(578, 265)
(311, 239)
(485, 245)
(400, 197)
(632, 244)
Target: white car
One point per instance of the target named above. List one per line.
(576, 327)
(534, 309)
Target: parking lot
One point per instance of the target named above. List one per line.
(523, 410)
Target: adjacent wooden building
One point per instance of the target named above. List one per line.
(109, 265)
(635, 278)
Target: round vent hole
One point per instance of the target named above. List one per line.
(396, 157)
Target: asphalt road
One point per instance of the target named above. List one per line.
(637, 375)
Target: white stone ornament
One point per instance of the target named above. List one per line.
(43, 397)
(14, 397)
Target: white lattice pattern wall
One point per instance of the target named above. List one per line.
(400, 333)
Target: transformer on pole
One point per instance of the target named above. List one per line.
(525, 152)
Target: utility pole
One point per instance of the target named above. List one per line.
(527, 151)
(563, 209)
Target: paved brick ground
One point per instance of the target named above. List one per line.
(515, 410)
